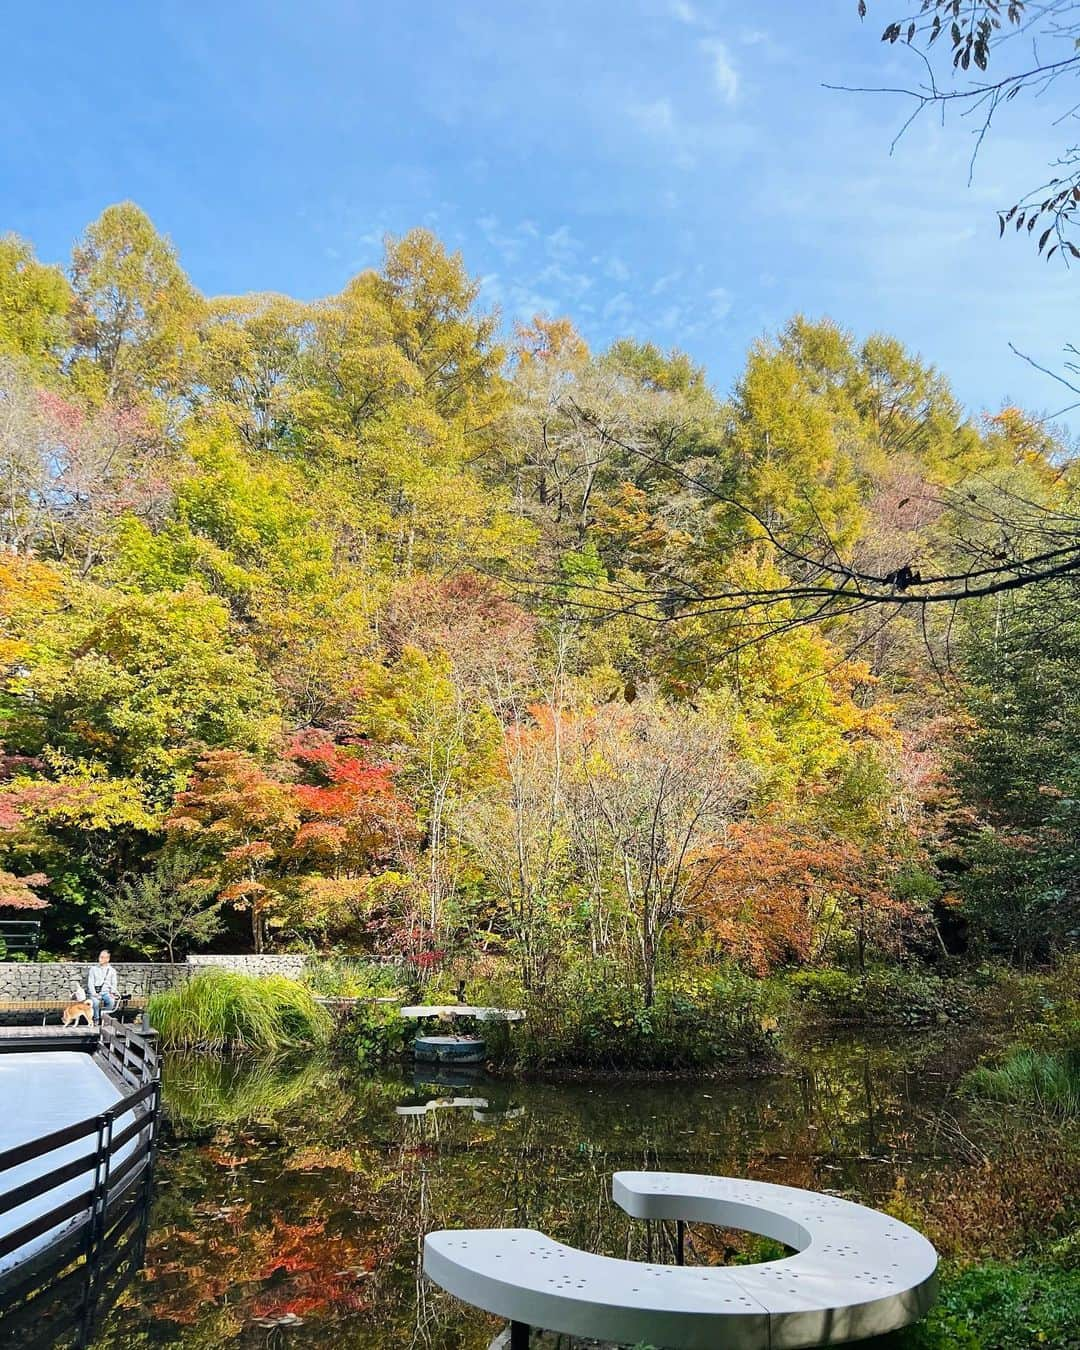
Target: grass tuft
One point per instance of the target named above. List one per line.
(1046, 1080)
(221, 1010)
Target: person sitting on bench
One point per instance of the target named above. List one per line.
(102, 987)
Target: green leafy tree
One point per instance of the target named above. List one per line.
(404, 404)
(80, 830)
(251, 366)
(134, 313)
(34, 303)
(1019, 772)
(444, 739)
(254, 531)
(140, 685)
(171, 905)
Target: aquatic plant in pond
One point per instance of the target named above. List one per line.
(221, 1010)
(592, 1017)
(884, 996)
(351, 977)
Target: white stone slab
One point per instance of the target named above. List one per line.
(442, 1104)
(856, 1272)
(443, 1010)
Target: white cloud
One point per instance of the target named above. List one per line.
(684, 12)
(561, 243)
(569, 283)
(658, 120)
(492, 288)
(509, 242)
(725, 76)
(657, 117)
(619, 307)
(720, 299)
(617, 270)
(664, 282)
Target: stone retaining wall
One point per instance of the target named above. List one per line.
(284, 964)
(57, 979)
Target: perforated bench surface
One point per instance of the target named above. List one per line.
(856, 1272)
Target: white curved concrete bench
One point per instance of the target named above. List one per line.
(856, 1272)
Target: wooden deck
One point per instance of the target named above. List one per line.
(47, 1038)
(135, 1002)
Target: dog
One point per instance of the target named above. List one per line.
(82, 1007)
(71, 1014)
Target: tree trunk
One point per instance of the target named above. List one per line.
(648, 952)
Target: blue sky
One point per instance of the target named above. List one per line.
(668, 168)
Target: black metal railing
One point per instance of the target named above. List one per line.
(19, 937)
(127, 1053)
(62, 1302)
(74, 1241)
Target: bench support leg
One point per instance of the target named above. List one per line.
(680, 1242)
(519, 1336)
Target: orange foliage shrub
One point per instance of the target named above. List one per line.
(774, 894)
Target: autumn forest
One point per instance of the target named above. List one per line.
(372, 626)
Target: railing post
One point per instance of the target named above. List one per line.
(99, 1162)
(155, 1120)
(94, 1226)
(109, 1118)
(680, 1242)
(519, 1336)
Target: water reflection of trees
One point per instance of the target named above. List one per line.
(297, 1192)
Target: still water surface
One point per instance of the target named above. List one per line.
(292, 1200)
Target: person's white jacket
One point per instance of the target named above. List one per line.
(101, 980)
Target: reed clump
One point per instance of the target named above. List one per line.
(220, 1010)
(1045, 1080)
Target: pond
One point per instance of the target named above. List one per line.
(292, 1199)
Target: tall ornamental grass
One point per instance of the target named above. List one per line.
(220, 1010)
(1046, 1080)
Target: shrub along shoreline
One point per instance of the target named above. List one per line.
(587, 1022)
